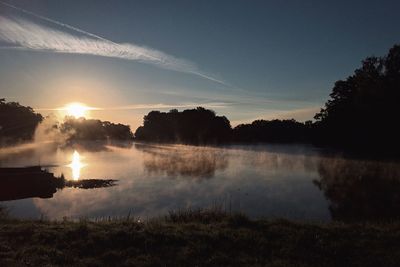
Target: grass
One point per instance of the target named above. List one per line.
(196, 238)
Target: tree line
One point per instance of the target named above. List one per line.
(361, 115)
(81, 129)
(18, 124)
(191, 126)
(202, 126)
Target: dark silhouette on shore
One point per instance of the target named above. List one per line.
(360, 117)
(82, 129)
(19, 183)
(274, 131)
(17, 122)
(363, 111)
(360, 190)
(29, 182)
(193, 126)
(201, 126)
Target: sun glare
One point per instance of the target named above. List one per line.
(76, 110)
(76, 165)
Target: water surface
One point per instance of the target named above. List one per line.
(294, 182)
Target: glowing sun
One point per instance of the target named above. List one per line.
(77, 110)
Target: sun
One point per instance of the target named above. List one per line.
(76, 110)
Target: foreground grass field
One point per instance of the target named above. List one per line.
(197, 238)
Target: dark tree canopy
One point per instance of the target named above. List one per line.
(363, 111)
(274, 131)
(17, 122)
(96, 130)
(192, 126)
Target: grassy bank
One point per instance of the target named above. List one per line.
(197, 238)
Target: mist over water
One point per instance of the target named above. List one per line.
(296, 182)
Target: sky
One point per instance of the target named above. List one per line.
(246, 60)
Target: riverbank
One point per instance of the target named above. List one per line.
(197, 238)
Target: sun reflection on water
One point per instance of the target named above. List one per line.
(76, 165)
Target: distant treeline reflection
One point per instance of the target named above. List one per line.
(180, 161)
(360, 190)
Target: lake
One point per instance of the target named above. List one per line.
(271, 181)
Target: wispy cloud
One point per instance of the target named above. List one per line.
(19, 33)
(167, 106)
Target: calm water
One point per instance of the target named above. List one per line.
(294, 182)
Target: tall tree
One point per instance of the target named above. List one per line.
(17, 122)
(363, 110)
(191, 126)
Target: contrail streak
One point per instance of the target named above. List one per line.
(30, 36)
(55, 22)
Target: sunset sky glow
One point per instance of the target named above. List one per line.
(245, 60)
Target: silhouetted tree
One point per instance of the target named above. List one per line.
(117, 131)
(274, 131)
(94, 130)
(192, 126)
(363, 112)
(17, 122)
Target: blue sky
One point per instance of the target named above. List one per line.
(244, 59)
